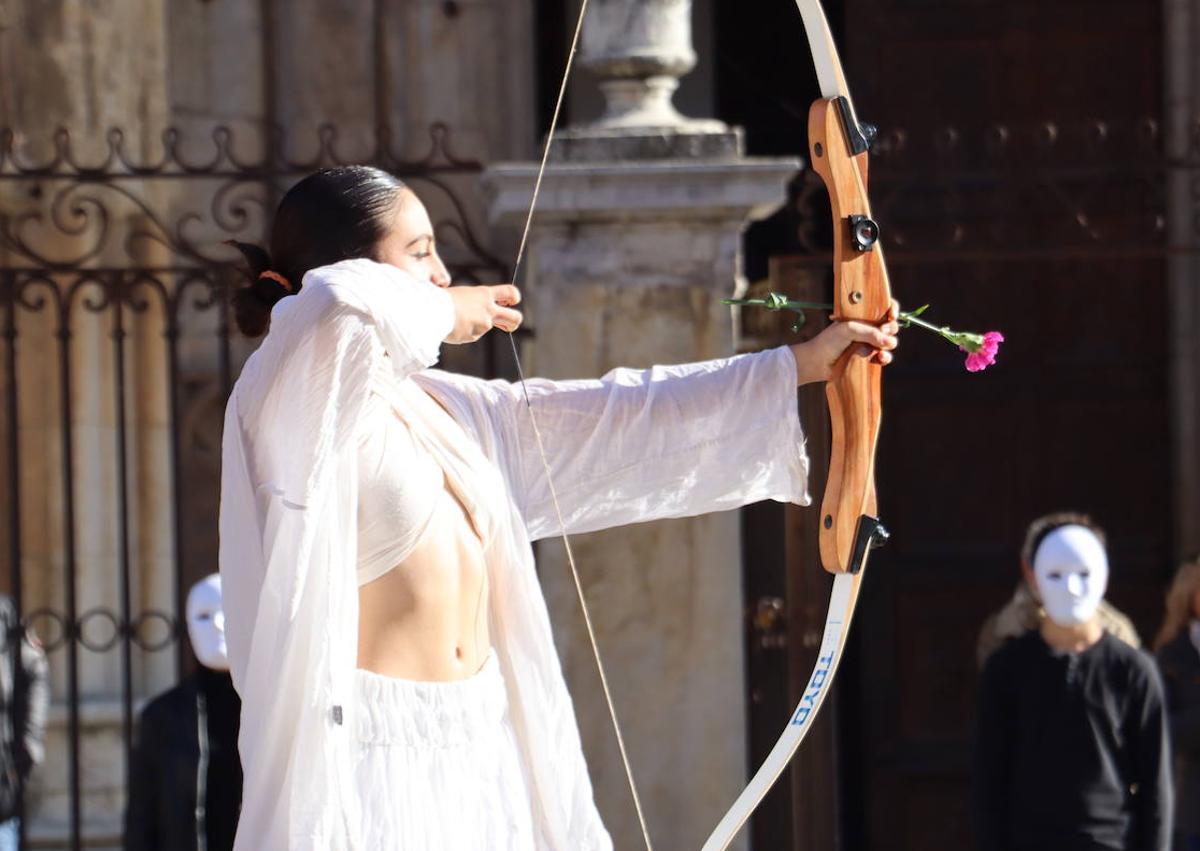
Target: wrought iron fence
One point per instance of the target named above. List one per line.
(117, 358)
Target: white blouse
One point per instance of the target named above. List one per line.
(636, 445)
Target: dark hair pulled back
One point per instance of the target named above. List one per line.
(331, 215)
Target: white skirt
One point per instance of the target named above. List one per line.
(438, 767)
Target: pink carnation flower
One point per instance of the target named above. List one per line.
(985, 355)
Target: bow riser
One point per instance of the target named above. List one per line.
(850, 490)
(862, 292)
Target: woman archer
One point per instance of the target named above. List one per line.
(385, 626)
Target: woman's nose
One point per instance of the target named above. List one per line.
(441, 276)
(1075, 585)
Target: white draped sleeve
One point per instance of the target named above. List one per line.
(638, 445)
(288, 541)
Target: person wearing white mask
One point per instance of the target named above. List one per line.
(1178, 648)
(206, 623)
(1071, 748)
(185, 787)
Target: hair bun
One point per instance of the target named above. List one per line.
(270, 275)
(252, 303)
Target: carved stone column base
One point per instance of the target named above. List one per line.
(644, 104)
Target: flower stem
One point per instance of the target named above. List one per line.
(912, 319)
(980, 348)
(776, 301)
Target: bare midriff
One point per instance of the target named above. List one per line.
(426, 618)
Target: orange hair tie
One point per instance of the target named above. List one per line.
(278, 278)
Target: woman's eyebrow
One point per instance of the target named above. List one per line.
(413, 242)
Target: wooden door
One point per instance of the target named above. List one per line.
(1045, 229)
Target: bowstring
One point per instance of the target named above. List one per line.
(587, 618)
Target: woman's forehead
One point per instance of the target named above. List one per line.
(411, 216)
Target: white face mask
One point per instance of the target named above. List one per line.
(1071, 570)
(206, 623)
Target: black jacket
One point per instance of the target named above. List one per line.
(1180, 665)
(24, 699)
(185, 791)
(1071, 750)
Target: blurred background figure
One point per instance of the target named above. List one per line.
(185, 791)
(1178, 647)
(1024, 611)
(24, 699)
(1071, 744)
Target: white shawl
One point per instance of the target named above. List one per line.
(636, 445)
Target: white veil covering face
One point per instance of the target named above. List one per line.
(706, 437)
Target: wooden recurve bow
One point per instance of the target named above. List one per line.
(849, 525)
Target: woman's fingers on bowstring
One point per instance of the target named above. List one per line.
(505, 294)
(479, 309)
(507, 319)
(503, 316)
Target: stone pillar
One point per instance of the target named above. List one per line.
(638, 49)
(1181, 21)
(636, 238)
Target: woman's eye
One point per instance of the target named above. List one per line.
(421, 255)
(1085, 574)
